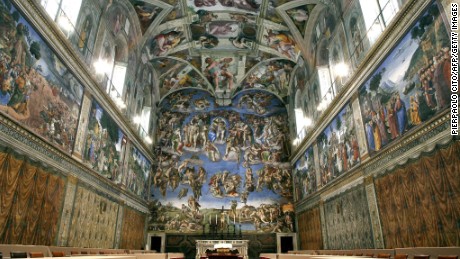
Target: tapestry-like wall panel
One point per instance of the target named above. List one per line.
(348, 224)
(411, 85)
(418, 203)
(132, 234)
(310, 233)
(94, 219)
(31, 201)
(37, 89)
(223, 167)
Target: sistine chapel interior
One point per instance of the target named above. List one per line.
(274, 126)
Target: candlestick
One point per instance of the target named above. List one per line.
(216, 219)
(240, 231)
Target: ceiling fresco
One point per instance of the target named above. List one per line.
(300, 15)
(223, 46)
(272, 75)
(175, 74)
(146, 13)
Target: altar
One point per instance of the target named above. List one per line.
(203, 245)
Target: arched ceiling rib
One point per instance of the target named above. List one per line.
(224, 46)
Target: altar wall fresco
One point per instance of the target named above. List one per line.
(217, 165)
(37, 89)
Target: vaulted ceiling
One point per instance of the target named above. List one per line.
(225, 46)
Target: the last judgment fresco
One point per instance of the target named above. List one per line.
(222, 166)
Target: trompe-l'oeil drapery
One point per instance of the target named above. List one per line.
(419, 203)
(30, 201)
(133, 229)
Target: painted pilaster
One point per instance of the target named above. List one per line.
(374, 212)
(323, 224)
(119, 225)
(360, 134)
(82, 126)
(317, 169)
(69, 199)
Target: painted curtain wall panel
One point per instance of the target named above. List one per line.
(132, 234)
(93, 220)
(223, 165)
(347, 220)
(310, 231)
(104, 145)
(31, 201)
(305, 175)
(418, 203)
(37, 89)
(138, 173)
(411, 85)
(338, 148)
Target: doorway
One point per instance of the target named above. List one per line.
(156, 242)
(286, 242)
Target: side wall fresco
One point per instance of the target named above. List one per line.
(40, 111)
(402, 104)
(37, 90)
(392, 101)
(411, 86)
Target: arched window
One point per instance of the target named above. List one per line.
(377, 15)
(64, 13)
